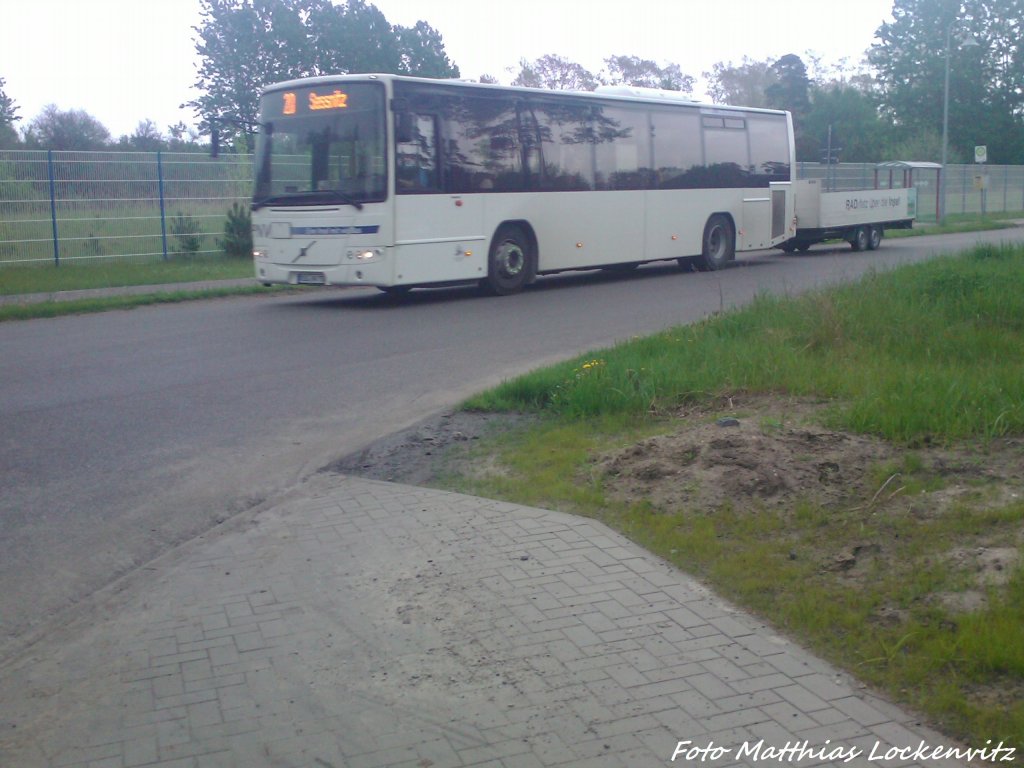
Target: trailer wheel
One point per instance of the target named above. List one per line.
(860, 240)
(719, 244)
(510, 263)
(874, 238)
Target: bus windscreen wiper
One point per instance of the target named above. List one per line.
(316, 196)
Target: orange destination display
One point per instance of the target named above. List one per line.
(312, 100)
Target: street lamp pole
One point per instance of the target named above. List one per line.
(969, 42)
(945, 128)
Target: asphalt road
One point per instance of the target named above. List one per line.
(124, 433)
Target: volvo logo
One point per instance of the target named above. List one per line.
(303, 252)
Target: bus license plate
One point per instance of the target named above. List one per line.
(310, 278)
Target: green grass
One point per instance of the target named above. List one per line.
(105, 304)
(929, 354)
(112, 274)
(48, 278)
(960, 222)
(936, 350)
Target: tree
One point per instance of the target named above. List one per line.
(74, 129)
(856, 127)
(742, 85)
(556, 73)
(243, 46)
(924, 143)
(8, 109)
(790, 89)
(644, 73)
(422, 53)
(146, 138)
(1001, 29)
(182, 138)
(986, 81)
(839, 71)
(349, 38)
(8, 117)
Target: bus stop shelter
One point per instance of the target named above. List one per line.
(909, 174)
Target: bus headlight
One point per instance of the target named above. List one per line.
(259, 253)
(364, 254)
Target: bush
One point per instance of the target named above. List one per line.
(238, 232)
(186, 233)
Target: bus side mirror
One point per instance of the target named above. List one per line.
(404, 127)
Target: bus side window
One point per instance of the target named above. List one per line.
(416, 160)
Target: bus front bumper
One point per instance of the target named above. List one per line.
(374, 272)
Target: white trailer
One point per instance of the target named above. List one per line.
(859, 217)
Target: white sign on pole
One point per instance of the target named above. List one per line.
(981, 154)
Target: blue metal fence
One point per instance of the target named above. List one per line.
(87, 206)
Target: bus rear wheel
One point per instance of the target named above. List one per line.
(510, 262)
(874, 238)
(719, 244)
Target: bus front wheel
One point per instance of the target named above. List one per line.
(719, 244)
(510, 263)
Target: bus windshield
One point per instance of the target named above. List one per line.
(322, 144)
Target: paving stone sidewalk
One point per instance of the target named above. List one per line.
(374, 624)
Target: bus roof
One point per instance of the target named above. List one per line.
(604, 92)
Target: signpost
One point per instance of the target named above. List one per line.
(981, 179)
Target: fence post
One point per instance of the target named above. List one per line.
(963, 191)
(53, 207)
(163, 216)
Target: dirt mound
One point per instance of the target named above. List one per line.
(744, 461)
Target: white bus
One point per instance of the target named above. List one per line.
(399, 182)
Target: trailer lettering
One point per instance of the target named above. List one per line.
(868, 204)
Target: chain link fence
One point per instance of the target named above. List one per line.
(86, 206)
(969, 188)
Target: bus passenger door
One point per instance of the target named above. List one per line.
(438, 236)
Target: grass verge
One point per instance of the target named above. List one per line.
(923, 359)
(20, 279)
(104, 304)
(960, 222)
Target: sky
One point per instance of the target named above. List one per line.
(124, 61)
